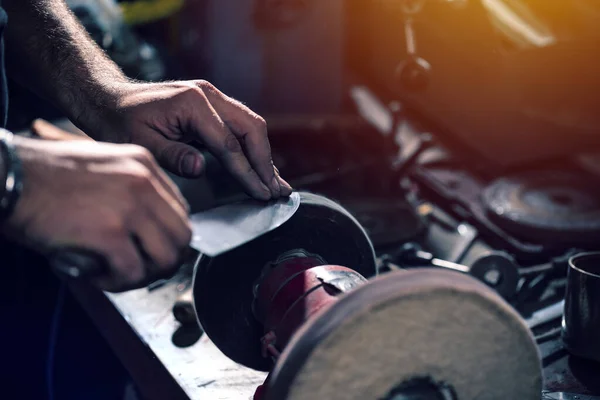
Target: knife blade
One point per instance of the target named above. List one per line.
(214, 232)
(224, 228)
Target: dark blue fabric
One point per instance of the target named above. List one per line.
(84, 368)
(3, 83)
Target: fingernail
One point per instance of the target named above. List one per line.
(275, 188)
(286, 188)
(189, 164)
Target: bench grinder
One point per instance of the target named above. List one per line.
(303, 302)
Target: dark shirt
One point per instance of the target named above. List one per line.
(3, 84)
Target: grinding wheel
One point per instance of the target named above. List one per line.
(223, 286)
(404, 329)
(546, 206)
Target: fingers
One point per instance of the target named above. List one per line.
(178, 158)
(154, 202)
(216, 136)
(162, 250)
(168, 151)
(250, 129)
(171, 221)
(158, 231)
(286, 188)
(127, 264)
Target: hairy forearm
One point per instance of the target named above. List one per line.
(51, 53)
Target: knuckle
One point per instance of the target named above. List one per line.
(141, 179)
(195, 93)
(134, 273)
(127, 267)
(143, 155)
(205, 85)
(260, 123)
(168, 259)
(232, 144)
(183, 238)
(114, 226)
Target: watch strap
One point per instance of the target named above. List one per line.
(13, 182)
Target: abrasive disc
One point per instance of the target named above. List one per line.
(546, 206)
(407, 328)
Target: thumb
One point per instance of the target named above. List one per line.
(178, 158)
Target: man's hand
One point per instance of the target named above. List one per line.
(113, 199)
(163, 117)
(54, 56)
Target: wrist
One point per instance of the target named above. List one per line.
(95, 110)
(11, 178)
(84, 102)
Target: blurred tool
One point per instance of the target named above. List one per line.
(104, 21)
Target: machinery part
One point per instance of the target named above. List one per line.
(468, 234)
(403, 167)
(421, 389)
(183, 310)
(581, 321)
(145, 12)
(546, 314)
(386, 221)
(106, 22)
(429, 324)
(293, 289)
(413, 74)
(224, 228)
(546, 206)
(496, 269)
(223, 286)
(567, 396)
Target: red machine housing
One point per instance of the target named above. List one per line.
(290, 291)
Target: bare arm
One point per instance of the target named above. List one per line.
(51, 53)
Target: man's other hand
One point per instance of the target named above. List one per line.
(163, 117)
(112, 199)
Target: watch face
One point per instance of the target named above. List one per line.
(514, 80)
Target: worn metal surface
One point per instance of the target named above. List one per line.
(201, 370)
(224, 228)
(546, 206)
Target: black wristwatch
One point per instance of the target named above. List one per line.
(12, 183)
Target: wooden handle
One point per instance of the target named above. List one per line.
(47, 131)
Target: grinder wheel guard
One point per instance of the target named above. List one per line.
(223, 285)
(418, 334)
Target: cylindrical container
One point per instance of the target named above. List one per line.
(581, 320)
